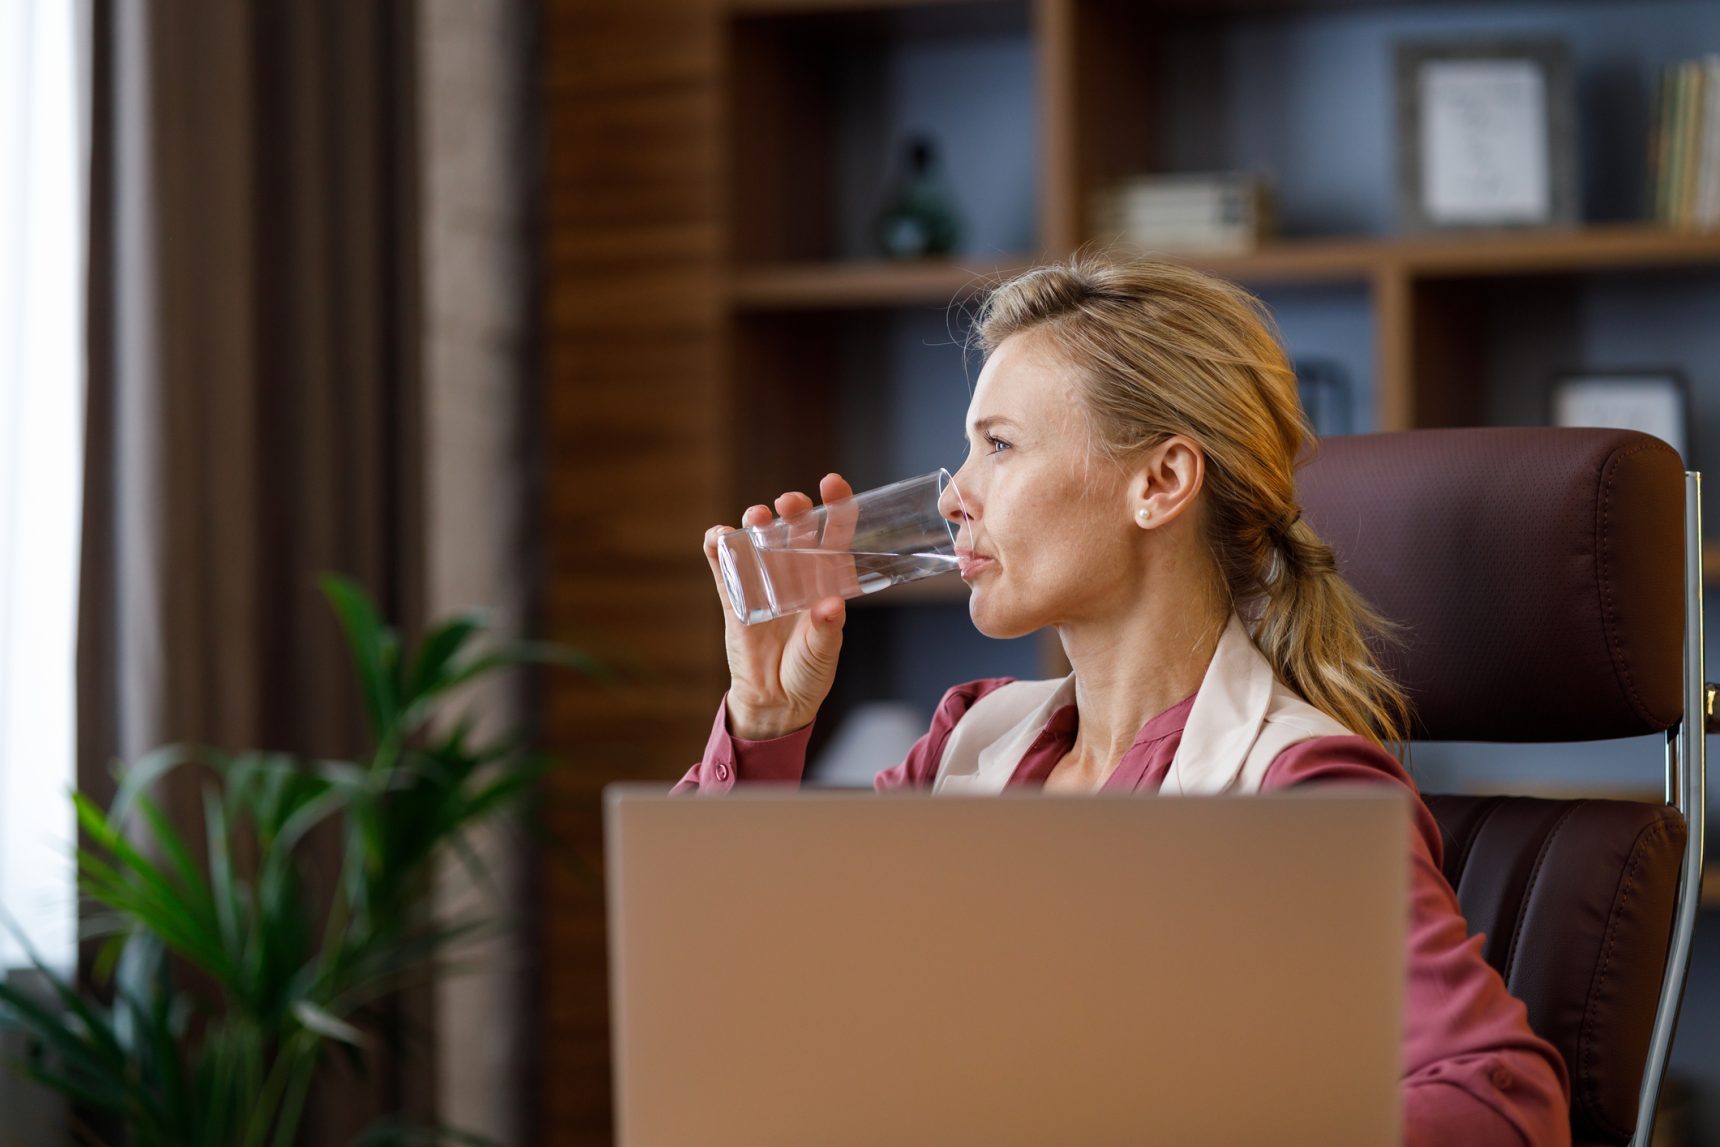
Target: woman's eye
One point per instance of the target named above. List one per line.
(997, 444)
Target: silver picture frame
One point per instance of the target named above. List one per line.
(1485, 134)
(1654, 400)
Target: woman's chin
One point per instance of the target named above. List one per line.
(996, 619)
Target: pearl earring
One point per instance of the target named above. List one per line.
(1144, 515)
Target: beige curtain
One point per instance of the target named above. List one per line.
(253, 410)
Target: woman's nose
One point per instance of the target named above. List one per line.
(953, 503)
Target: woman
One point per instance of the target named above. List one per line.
(1130, 481)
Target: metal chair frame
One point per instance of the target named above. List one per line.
(1686, 790)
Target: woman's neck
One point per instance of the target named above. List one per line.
(1129, 668)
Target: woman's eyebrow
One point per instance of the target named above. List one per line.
(986, 423)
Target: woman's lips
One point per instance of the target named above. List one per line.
(972, 564)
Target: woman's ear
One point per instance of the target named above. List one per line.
(1166, 481)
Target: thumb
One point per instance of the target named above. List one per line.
(824, 635)
(830, 614)
(809, 663)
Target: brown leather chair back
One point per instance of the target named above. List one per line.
(1574, 900)
(1538, 578)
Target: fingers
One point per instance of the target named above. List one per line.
(792, 503)
(833, 487)
(711, 536)
(787, 505)
(839, 522)
(804, 531)
(755, 516)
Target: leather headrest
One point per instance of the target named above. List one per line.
(1537, 574)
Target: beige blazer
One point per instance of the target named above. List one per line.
(1243, 717)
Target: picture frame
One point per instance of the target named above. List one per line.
(1654, 401)
(1485, 134)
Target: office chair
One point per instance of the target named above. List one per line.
(1549, 586)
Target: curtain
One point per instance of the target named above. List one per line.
(253, 407)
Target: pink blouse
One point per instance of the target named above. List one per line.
(1473, 1072)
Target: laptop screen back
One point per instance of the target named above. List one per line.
(798, 967)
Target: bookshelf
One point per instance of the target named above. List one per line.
(713, 320)
(1402, 275)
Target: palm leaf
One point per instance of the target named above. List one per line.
(522, 653)
(437, 650)
(323, 1022)
(374, 648)
(222, 892)
(143, 776)
(135, 888)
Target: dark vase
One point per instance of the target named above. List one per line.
(918, 218)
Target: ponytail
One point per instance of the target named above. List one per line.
(1313, 626)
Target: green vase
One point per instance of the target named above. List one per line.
(918, 219)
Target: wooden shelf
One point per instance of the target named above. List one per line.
(837, 285)
(1299, 261)
(1613, 247)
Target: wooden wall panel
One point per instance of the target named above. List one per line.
(633, 424)
(781, 109)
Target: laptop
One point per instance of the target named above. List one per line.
(802, 967)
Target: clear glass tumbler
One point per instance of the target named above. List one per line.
(845, 548)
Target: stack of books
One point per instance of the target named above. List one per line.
(1227, 213)
(1686, 145)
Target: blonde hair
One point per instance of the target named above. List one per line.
(1164, 350)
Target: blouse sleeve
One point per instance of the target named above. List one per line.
(729, 760)
(1473, 1071)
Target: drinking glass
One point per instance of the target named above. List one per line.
(845, 548)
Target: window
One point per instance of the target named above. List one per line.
(42, 216)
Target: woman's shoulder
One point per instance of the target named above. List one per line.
(1355, 760)
(1312, 745)
(1334, 757)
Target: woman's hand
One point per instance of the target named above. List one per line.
(780, 671)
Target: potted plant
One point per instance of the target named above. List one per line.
(225, 983)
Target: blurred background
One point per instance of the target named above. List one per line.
(499, 304)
